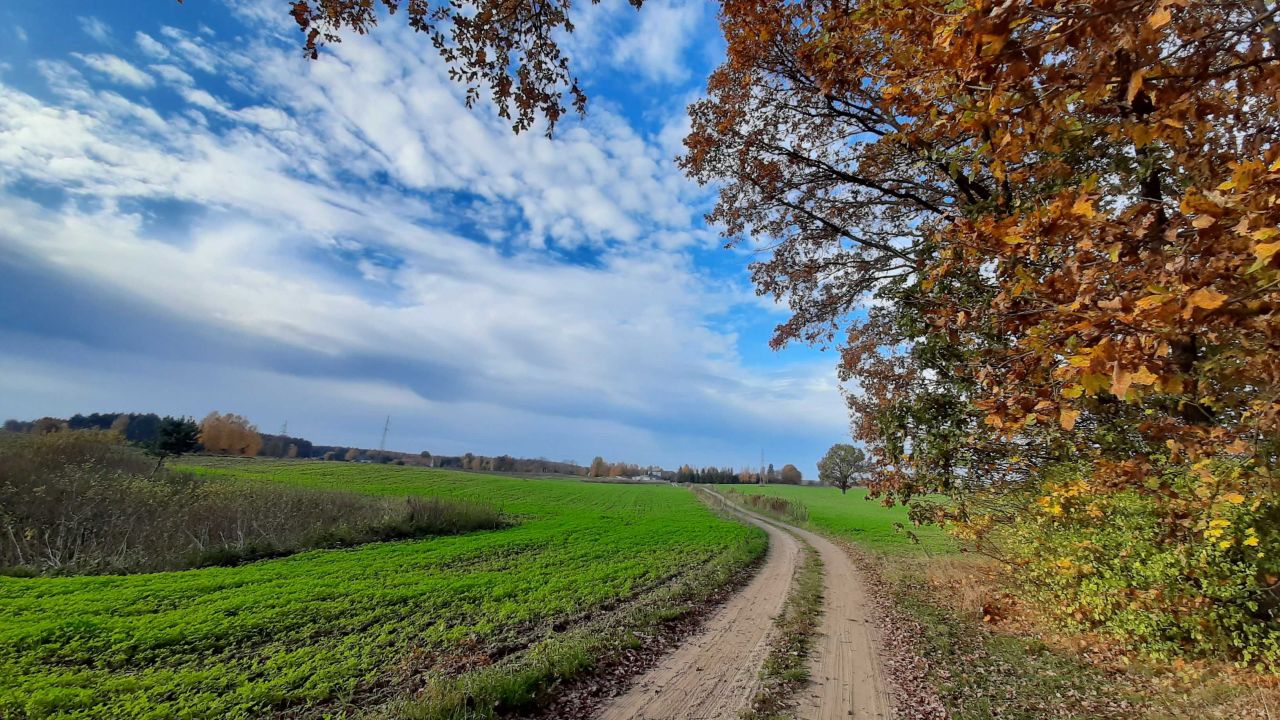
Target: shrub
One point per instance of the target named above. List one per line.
(77, 502)
(774, 506)
(1165, 578)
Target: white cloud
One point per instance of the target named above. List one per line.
(150, 45)
(19, 33)
(656, 47)
(117, 69)
(300, 241)
(190, 50)
(173, 75)
(95, 28)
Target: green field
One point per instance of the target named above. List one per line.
(321, 628)
(853, 517)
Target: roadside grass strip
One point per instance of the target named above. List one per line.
(785, 671)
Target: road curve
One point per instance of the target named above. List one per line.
(845, 673)
(713, 675)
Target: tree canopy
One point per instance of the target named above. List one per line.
(506, 48)
(844, 466)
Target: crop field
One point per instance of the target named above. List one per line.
(311, 633)
(852, 516)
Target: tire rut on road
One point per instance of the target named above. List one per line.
(713, 675)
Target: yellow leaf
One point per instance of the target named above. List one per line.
(1251, 541)
(1013, 239)
(1151, 301)
(1207, 298)
(1265, 251)
(1083, 207)
(1159, 18)
(1234, 498)
(1073, 391)
(1135, 84)
(1079, 361)
(1219, 523)
(1120, 381)
(1203, 221)
(1275, 166)
(1145, 377)
(1264, 233)
(1067, 418)
(1225, 544)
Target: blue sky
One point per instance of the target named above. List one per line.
(194, 217)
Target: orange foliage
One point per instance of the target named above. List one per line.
(229, 434)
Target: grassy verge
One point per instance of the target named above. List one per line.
(854, 517)
(959, 646)
(530, 679)
(785, 670)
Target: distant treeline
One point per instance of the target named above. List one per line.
(789, 475)
(141, 428)
(231, 434)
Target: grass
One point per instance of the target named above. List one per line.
(786, 669)
(854, 518)
(321, 629)
(987, 658)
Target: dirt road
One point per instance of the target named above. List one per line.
(713, 676)
(844, 671)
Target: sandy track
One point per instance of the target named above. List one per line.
(846, 677)
(714, 674)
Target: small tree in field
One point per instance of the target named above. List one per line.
(843, 466)
(175, 436)
(790, 475)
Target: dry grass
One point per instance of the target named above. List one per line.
(77, 503)
(1035, 662)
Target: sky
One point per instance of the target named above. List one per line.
(195, 217)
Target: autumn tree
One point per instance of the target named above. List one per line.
(352, 455)
(229, 434)
(844, 466)
(599, 468)
(508, 51)
(1065, 216)
(46, 425)
(790, 475)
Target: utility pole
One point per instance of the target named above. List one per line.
(764, 479)
(385, 427)
(284, 429)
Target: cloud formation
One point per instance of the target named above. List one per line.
(343, 239)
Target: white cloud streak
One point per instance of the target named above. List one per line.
(343, 214)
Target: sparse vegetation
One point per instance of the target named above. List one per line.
(77, 502)
(785, 670)
(771, 505)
